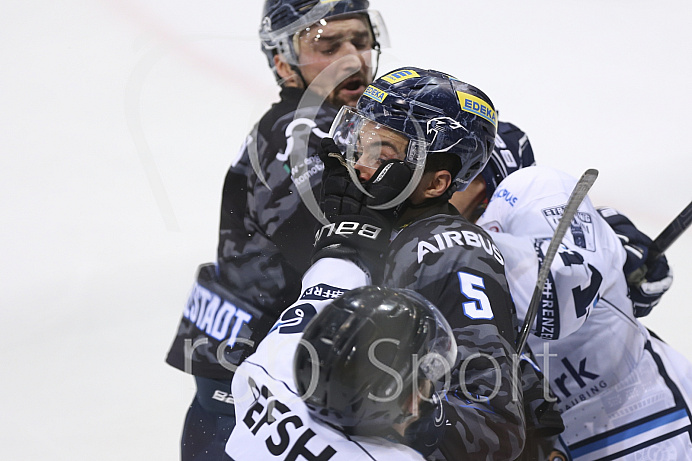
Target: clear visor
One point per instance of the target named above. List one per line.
(335, 34)
(316, 38)
(442, 347)
(366, 145)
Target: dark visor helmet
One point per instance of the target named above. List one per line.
(283, 19)
(512, 152)
(363, 355)
(436, 112)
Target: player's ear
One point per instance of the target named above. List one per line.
(285, 71)
(432, 185)
(439, 183)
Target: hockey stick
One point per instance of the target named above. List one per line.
(671, 233)
(664, 240)
(580, 190)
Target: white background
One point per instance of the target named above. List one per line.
(119, 119)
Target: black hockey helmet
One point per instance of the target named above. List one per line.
(364, 354)
(283, 19)
(435, 112)
(512, 152)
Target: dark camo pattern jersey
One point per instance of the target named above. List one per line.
(266, 232)
(456, 265)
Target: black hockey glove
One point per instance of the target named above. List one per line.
(356, 231)
(647, 279)
(426, 433)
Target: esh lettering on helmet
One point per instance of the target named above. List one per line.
(375, 93)
(400, 75)
(477, 106)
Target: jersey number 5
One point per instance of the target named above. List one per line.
(479, 305)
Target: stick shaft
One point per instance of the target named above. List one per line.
(671, 233)
(576, 197)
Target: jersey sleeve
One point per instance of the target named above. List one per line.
(273, 422)
(457, 266)
(569, 293)
(524, 214)
(249, 261)
(267, 230)
(325, 281)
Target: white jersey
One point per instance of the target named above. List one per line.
(272, 420)
(622, 393)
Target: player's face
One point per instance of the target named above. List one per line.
(335, 58)
(377, 144)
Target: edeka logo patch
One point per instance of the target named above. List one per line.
(477, 106)
(400, 75)
(374, 93)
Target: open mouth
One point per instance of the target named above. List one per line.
(352, 84)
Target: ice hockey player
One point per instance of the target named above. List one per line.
(512, 152)
(323, 54)
(623, 393)
(432, 133)
(341, 379)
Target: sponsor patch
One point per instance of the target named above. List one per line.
(445, 240)
(477, 106)
(214, 315)
(581, 228)
(400, 75)
(375, 93)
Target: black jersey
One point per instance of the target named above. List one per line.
(265, 238)
(456, 265)
(266, 231)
